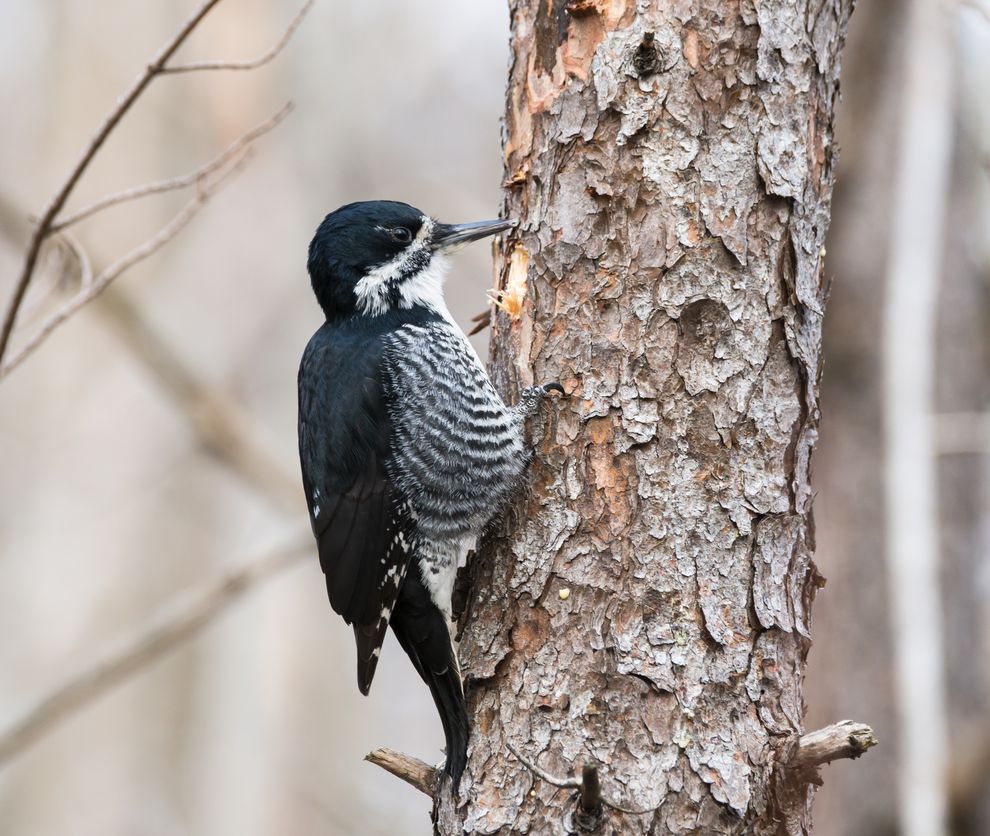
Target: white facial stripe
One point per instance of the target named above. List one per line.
(426, 230)
(373, 289)
(426, 287)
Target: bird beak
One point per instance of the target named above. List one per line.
(449, 237)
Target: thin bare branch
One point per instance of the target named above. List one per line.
(845, 739)
(542, 774)
(173, 626)
(481, 322)
(43, 227)
(588, 792)
(260, 61)
(221, 425)
(138, 254)
(413, 771)
(193, 178)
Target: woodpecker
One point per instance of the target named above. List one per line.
(407, 450)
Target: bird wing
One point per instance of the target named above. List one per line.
(363, 524)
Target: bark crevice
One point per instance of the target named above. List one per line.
(671, 170)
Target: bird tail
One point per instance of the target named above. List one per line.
(448, 694)
(423, 632)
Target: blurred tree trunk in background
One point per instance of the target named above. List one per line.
(850, 669)
(962, 399)
(647, 608)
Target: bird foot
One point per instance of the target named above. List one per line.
(532, 397)
(538, 393)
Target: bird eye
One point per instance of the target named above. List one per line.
(400, 235)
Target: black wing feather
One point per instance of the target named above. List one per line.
(357, 512)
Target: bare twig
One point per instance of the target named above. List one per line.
(139, 253)
(413, 771)
(260, 61)
(43, 227)
(220, 424)
(588, 791)
(157, 66)
(845, 739)
(170, 628)
(629, 811)
(193, 178)
(227, 432)
(481, 322)
(543, 775)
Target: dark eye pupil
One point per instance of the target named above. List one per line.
(402, 235)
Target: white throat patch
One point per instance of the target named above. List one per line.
(424, 287)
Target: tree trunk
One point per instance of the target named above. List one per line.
(646, 606)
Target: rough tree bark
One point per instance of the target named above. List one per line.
(646, 606)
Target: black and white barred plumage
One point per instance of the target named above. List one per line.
(407, 450)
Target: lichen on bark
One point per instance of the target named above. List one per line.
(671, 168)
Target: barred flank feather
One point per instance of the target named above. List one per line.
(457, 449)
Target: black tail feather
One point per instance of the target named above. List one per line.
(368, 638)
(422, 631)
(449, 698)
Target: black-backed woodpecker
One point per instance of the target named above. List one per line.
(407, 450)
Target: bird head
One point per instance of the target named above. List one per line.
(376, 256)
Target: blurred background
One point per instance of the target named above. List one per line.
(115, 500)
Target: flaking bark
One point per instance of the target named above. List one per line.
(671, 168)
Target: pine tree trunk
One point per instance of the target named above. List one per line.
(646, 605)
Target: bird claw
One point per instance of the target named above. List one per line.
(532, 398)
(538, 393)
